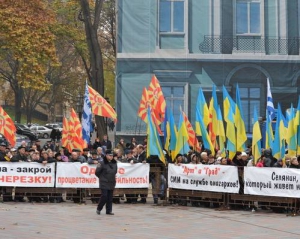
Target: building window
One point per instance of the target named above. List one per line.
(171, 16)
(250, 99)
(175, 98)
(248, 16)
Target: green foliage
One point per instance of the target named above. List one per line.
(27, 40)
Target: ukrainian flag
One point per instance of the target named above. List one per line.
(153, 141)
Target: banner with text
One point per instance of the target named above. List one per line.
(27, 174)
(280, 182)
(76, 175)
(204, 177)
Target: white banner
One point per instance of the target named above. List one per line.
(133, 175)
(76, 175)
(27, 174)
(204, 177)
(280, 182)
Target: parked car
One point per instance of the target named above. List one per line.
(42, 131)
(3, 139)
(22, 126)
(20, 139)
(54, 126)
(25, 131)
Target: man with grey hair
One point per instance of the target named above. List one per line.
(204, 158)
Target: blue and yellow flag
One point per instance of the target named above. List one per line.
(203, 108)
(241, 136)
(256, 139)
(167, 134)
(297, 126)
(229, 107)
(291, 133)
(279, 139)
(205, 137)
(153, 141)
(182, 138)
(213, 115)
(221, 133)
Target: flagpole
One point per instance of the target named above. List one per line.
(140, 127)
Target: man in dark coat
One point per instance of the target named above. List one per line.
(106, 172)
(21, 155)
(106, 142)
(142, 158)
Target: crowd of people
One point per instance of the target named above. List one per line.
(95, 153)
(134, 152)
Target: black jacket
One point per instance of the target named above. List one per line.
(106, 172)
(107, 144)
(142, 157)
(18, 158)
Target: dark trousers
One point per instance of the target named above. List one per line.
(106, 198)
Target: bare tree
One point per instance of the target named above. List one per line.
(91, 16)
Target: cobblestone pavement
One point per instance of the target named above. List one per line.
(69, 220)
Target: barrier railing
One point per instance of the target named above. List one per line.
(221, 200)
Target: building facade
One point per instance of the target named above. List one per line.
(190, 44)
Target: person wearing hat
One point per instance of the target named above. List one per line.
(86, 153)
(106, 172)
(21, 155)
(94, 158)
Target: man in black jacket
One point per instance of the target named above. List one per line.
(21, 155)
(106, 172)
(142, 158)
(106, 142)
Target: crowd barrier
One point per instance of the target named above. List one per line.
(216, 186)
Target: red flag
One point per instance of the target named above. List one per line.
(66, 139)
(157, 99)
(142, 112)
(7, 127)
(75, 124)
(192, 139)
(100, 106)
(144, 104)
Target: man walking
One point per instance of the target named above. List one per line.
(106, 172)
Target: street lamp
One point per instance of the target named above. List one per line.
(106, 120)
(79, 105)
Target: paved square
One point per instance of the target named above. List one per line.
(69, 220)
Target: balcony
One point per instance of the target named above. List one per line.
(249, 44)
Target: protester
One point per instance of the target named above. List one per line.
(121, 145)
(194, 159)
(97, 143)
(21, 155)
(106, 142)
(106, 172)
(294, 162)
(94, 158)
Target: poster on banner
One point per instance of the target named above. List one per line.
(76, 175)
(213, 178)
(27, 174)
(280, 182)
